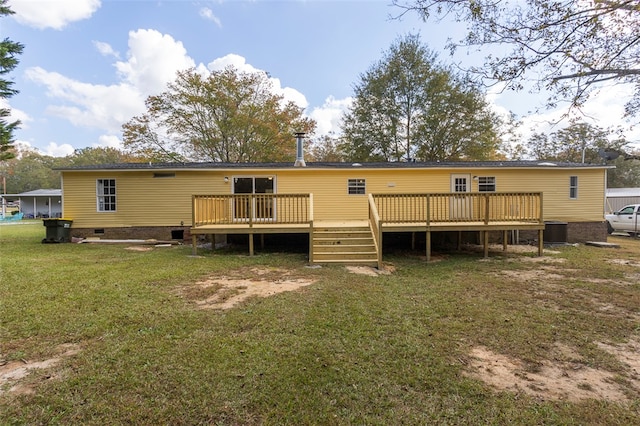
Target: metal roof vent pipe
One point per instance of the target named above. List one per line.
(300, 152)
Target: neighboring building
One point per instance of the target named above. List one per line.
(165, 201)
(617, 198)
(41, 203)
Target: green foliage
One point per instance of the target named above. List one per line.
(325, 148)
(582, 142)
(408, 107)
(31, 170)
(9, 51)
(228, 116)
(570, 47)
(569, 144)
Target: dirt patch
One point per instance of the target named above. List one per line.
(12, 372)
(139, 248)
(624, 262)
(371, 272)
(565, 378)
(225, 292)
(533, 275)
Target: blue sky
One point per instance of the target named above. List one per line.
(88, 65)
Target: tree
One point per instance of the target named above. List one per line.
(626, 173)
(99, 155)
(228, 116)
(579, 142)
(325, 148)
(408, 107)
(30, 171)
(9, 50)
(570, 47)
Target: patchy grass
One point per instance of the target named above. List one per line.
(347, 349)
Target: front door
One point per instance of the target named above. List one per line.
(257, 204)
(461, 206)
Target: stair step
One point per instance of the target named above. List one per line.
(352, 246)
(341, 248)
(342, 235)
(345, 256)
(342, 241)
(358, 262)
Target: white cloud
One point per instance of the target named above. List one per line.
(207, 14)
(55, 150)
(240, 63)
(153, 60)
(328, 116)
(54, 14)
(604, 109)
(89, 105)
(16, 114)
(105, 49)
(109, 141)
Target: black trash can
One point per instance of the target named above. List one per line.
(58, 230)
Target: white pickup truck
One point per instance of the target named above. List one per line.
(627, 219)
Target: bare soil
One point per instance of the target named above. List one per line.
(566, 376)
(12, 373)
(561, 379)
(225, 292)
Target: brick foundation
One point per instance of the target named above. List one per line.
(163, 233)
(577, 232)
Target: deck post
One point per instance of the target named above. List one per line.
(413, 241)
(505, 236)
(540, 242)
(251, 244)
(194, 244)
(311, 242)
(428, 244)
(485, 237)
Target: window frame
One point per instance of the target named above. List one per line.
(106, 202)
(573, 187)
(482, 186)
(357, 186)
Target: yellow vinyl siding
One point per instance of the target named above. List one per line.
(143, 200)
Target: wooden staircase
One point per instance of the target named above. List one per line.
(350, 245)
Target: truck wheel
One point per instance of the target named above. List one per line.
(609, 228)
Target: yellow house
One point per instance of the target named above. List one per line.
(344, 208)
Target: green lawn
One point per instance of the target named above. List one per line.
(130, 346)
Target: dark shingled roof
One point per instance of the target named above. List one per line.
(322, 165)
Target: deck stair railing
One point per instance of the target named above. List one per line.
(487, 208)
(250, 209)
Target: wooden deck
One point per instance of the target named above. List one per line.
(293, 213)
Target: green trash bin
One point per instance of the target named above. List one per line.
(58, 230)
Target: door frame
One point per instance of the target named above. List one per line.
(460, 206)
(238, 216)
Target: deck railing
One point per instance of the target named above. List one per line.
(250, 209)
(460, 207)
(376, 231)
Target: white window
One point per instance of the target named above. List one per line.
(106, 195)
(573, 187)
(356, 186)
(486, 184)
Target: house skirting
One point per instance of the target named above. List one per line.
(577, 232)
(162, 233)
